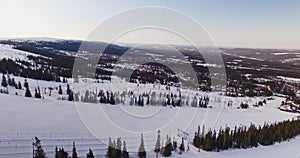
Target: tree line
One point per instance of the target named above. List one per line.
(38, 151)
(246, 137)
(115, 149)
(151, 98)
(239, 137)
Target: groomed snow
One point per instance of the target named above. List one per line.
(57, 123)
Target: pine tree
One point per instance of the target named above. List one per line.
(39, 92)
(197, 139)
(28, 93)
(174, 144)
(214, 140)
(181, 147)
(131, 102)
(244, 137)
(36, 94)
(38, 150)
(119, 148)
(4, 82)
(15, 84)
(125, 153)
(148, 100)
(90, 154)
(112, 99)
(220, 140)
(56, 152)
(60, 90)
(74, 152)
(76, 97)
(227, 139)
(71, 96)
(19, 85)
(208, 141)
(26, 84)
(157, 145)
(86, 96)
(9, 80)
(110, 149)
(142, 151)
(168, 148)
(68, 89)
(62, 153)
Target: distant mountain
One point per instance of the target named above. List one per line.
(50, 47)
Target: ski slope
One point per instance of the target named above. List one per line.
(7, 52)
(57, 123)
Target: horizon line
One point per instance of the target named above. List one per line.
(43, 38)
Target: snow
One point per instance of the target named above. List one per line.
(59, 123)
(290, 79)
(7, 51)
(282, 53)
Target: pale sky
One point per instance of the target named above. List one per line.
(235, 23)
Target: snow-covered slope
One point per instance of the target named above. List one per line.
(57, 123)
(7, 51)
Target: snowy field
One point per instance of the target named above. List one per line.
(7, 51)
(57, 123)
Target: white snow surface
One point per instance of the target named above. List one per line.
(57, 123)
(7, 51)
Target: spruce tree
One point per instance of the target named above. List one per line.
(125, 153)
(28, 93)
(110, 149)
(220, 140)
(74, 151)
(9, 81)
(14, 83)
(62, 153)
(76, 97)
(71, 96)
(19, 85)
(227, 139)
(68, 89)
(131, 102)
(208, 141)
(181, 147)
(86, 96)
(197, 138)
(38, 150)
(157, 145)
(4, 82)
(119, 148)
(26, 84)
(60, 90)
(174, 144)
(168, 148)
(112, 99)
(36, 95)
(90, 154)
(148, 100)
(142, 151)
(56, 152)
